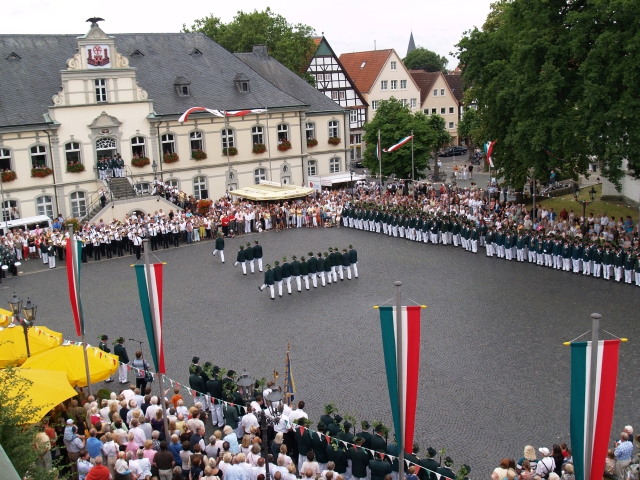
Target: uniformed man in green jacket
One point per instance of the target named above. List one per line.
(219, 247)
(607, 260)
(353, 260)
(277, 276)
(304, 271)
(269, 280)
(257, 254)
(313, 269)
(249, 256)
(241, 259)
(320, 262)
(359, 459)
(327, 268)
(286, 274)
(295, 272)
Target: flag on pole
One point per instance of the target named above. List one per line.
(606, 376)
(410, 317)
(149, 300)
(488, 151)
(379, 149)
(219, 113)
(399, 144)
(289, 384)
(74, 255)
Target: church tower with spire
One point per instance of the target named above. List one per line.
(412, 44)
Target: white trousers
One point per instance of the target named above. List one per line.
(123, 373)
(221, 254)
(299, 283)
(260, 264)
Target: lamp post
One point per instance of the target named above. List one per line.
(351, 172)
(592, 194)
(275, 396)
(245, 386)
(29, 312)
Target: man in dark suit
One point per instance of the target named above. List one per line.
(303, 439)
(230, 414)
(319, 445)
(313, 269)
(377, 441)
(446, 470)
(257, 254)
(336, 453)
(359, 459)
(121, 352)
(378, 467)
(214, 388)
(365, 435)
(333, 429)
(412, 457)
(327, 419)
(347, 436)
(429, 466)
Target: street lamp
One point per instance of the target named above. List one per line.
(267, 421)
(245, 387)
(351, 172)
(274, 403)
(29, 312)
(592, 194)
(154, 167)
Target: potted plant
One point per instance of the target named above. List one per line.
(75, 167)
(170, 157)
(232, 151)
(259, 148)
(284, 145)
(72, 222)
(9, 176)
(198, 154)
(312, 142)
(203, 206)
(140, 162)
(41, 172)
(334, 140)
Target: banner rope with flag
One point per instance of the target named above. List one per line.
(74, 255)
(410, 318)
(488, 151)
(219, 113)
(148, 301)
(399, 144)
(606, 376)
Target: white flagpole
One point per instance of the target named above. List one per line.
(379, 152)
(412, 168)
(595, 330)
(399, 362)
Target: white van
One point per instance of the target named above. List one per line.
(26, 224)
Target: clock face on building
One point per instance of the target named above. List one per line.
(98, 56)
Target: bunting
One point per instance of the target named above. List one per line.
(152, 300)
(606, 376)
(410, 317)
(74, 253)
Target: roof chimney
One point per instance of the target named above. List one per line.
(261, 51)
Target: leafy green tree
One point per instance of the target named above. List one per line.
(470, 128)
(424, 59)
(292, 45)
(555, 83)
(441, 137)
(395, 122)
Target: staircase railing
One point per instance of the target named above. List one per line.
(93, 205)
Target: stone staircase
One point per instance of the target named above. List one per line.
(121, 188)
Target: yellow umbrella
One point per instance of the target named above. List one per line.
(41, 391)
(13, 349)
(5, 317)
(69, 358)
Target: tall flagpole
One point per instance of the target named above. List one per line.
(147, 269)
(412, 167)
(400, 363)
(80, 313)
(380, 160)
(595, 331)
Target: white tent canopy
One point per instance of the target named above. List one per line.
(317, 182)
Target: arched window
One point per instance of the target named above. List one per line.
(10, 210)
(200, 187)
(283, 132)
(257, 135)
(106, 147)
(38, 156)
(228, 137)
(5, 159)
(310, 130)
(174, 182)
(78, 204)
(259, 174)
(196, 140)
(312, 167)
(334, 129)
(168, 141)
(44, 205)
(138, 147)
(334, 165)
(72, 153)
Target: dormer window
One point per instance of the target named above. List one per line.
(242, 82)
(195, 51)
(182, 86)
(137, 53)
(13, 56)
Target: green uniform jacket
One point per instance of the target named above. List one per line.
(230, 415)
(346, 259)
(277, 273)
(219, 243)
(378, 443)
(295, 268)
(248, 254)
(304, 441)
(286, 270)
(319, 446)
(269, 277)
(428, 464)
(214, 387)
(121, 352)
(359, 461)
(304, 268)
(353, 256)
(379, 469)
(257, 251)
(240, 258)
(327, 264)
(319, 263)
(197, 383)
(339, 457)
(313, 264)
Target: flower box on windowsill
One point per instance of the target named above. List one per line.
(140, 162)
(334, 141)
(259, 148)
(9, 176)
(198, 154)
(41, 172)
(232, 151)
(75, 167)
(203, 206)
(170, 157)
(284, 146)
(312, 142)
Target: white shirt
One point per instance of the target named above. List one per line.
(255, 471)
(141, 467)
(128, 395)
(248, 421)
(138, 435)
(151, 412)
(297, 414)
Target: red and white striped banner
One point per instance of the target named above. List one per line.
(219, 113)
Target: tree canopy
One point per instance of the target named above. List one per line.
(555, 84)
(291, 45)
(424, 59)
(395, 122)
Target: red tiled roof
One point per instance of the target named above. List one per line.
(455, 85)
(317, 40)
(364, 75)
(425, 81)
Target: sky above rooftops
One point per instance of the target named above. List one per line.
(348, 26)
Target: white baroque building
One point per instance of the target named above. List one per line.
(68, 100)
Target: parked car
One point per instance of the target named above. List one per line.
(453, 151)
(357, 164)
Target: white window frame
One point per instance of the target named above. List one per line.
(257, 133)
(140, 143)
(310, 130)
(374, 105)
(403, 84)
(71, 147)
(100, 85)
(435, 92)
(198, 183)
(44, 206)
(452, 110)
(334, 165)
(404, 102)
(327, 77)
(334, 95)
(394, 65)
(7, 206)
(384, 84)
(442, 92)
(434, 111)
(342, 95)
(39, 150)
(320, 77)
(168, 139)
(413, 102)
(443, 110)
(312, 168)
(259, 174)
(196, 137)
(6, 154)
(394, 84)
(426, 111)
(78, 205)
(228, 135)
(174, 182)
(353, 116)
(334, 128)
(452, 125)
(283, 129)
